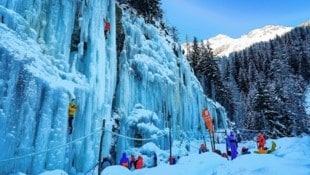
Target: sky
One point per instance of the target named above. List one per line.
(290, 157)
(207, 18)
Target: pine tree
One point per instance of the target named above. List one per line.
(274, 73)
(208, 69)
(193, 55)
(174, 34)
(149, 9)
(261, 104)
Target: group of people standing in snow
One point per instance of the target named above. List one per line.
(134, 163)
(231, 150)
(131, 163)
(232, 145)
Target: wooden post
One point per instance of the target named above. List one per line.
(204, 139)
(213, 142)
(100, 147)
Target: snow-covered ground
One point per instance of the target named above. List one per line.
(292, 156)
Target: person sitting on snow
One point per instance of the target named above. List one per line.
(139, 163)
(203, 148)
(155, 159)
(172, 160)
(107, 161)
(132, 163)
(225, 156)
(273, 147)
(124, 161)
(245, 150)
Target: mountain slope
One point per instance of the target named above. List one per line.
(223, 45)
(270, 80)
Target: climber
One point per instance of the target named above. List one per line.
(107, 27)
(72, 108)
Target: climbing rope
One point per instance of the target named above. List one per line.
(252, 130)
(73, 141)
(50, 149)
(137, 139)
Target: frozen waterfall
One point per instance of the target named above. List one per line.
(52, 51)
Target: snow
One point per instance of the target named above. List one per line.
(228, 45)
(55, 172)
(291, 157)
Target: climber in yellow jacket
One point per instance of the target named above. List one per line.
(71, 110)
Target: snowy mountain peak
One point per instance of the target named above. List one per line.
(221, 37)
(307, 23)
(223, 45)
(267, 31)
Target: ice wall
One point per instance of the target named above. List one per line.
(40, 73)
(155, 74)
(55, 50)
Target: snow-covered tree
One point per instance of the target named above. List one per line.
(274, 73)
(149, 9)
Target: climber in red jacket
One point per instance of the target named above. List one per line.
(261, 141)
(139, 163)
(107, 27)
